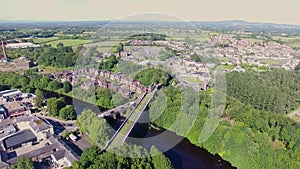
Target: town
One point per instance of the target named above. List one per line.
(66, 93)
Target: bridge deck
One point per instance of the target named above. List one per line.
(125, 129)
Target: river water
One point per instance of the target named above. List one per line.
(182, 153)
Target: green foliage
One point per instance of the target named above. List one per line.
(246, 137)
(54, 85)
(104, 98)
(149, 76)
(149, 36)
(38, 100)
(108, 64)
(67, 113)
(62, 56)
(55, 105)
(14, 80)
(98, 129)
(24, 163)
(118, 99)
(276, 90)
(67, 87)
(30, 72)
(159, 160)
(119, 48)
(93, 158)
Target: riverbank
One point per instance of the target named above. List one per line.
(181, 152)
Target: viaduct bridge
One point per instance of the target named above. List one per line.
(124, 130)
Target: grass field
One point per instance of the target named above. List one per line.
(51, 69)
(69, 42)
(270, 62)
(44, 40)
(291, 41)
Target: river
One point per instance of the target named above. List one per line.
(182, 153)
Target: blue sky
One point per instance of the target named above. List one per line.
(275, 11)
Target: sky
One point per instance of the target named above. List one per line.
(271, 11)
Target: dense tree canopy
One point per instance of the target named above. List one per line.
(93, 158)
(277, 90)
(67, 113)
(246, 137)
(55, 105)
(39, 99)
(59, 56)
(97, 129)
(149, 76)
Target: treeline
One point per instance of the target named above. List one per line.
(13, 33)
(58, 108)
(246, 137)
(277, 90)
(60, 56)
(98, 130)
(93, 158)
(101, 96)
(151, 75)
(149, 36)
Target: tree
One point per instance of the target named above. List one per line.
(67, 113)
(44, 82)
(24, 163)
(159, 160)
(38, 101)
(67, 87)
(55, 105)
(98, 129)
(54, 85)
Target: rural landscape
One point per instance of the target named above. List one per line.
(144, 94)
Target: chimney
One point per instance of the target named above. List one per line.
(3, 49)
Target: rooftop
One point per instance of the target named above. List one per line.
(18, 139)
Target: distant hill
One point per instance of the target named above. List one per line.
(230, 25)
(249, 26)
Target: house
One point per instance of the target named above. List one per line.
(16, 109)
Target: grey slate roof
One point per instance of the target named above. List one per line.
(19, 138)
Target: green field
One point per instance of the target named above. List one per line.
(291, 41)
(270, 62)
(230, 67)
(51, 69)
(44, 40)
(69, 42)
